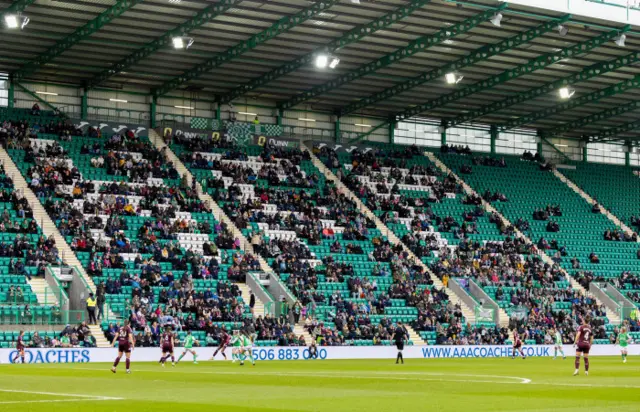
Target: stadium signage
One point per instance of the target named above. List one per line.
(109, 128)
(338, 148)
(192, 133)
(52, 356)
(276, 141)
(80, 355)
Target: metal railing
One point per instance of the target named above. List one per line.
(40, 315)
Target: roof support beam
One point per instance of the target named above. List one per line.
(16, 7)
(597, 117)
(481, 54)
(586, 74)
(361, 136)
(277, 28)
(571, 103)
(414, 47)
(35, 96)
(352, 36)
(77, 36)
(554, 147)
(609, 134)
(204, 16)
(536, 64)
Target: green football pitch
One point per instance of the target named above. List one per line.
(540, 384)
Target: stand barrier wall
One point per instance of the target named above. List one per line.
(80, 355)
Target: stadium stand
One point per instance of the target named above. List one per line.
(158, 254)
(330, 254)
(563, 225)
(418, 204)
(146, 239)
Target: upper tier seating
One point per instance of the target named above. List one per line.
(581, 232)
(617, 188)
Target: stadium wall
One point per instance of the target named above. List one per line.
(80, 355)
(131, 106)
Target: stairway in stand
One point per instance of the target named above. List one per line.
(245, 290)
(300, 330)
(613, 317)
(468, 313)
(218, 213)
(101, 340)
(44, 221)
(39, 287)
(413, 336)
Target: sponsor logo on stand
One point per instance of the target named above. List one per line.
(138, 130)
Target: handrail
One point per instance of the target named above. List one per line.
(55, 278)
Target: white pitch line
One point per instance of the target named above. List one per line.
(60, 400)
(73, 395)
(415, 376)
(587, 385)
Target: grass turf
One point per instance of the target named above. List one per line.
(347, 385)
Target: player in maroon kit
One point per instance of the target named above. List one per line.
(19, 347)
(517, 345)
(166, 341)
(583, 342)
(224, 339)
(124, 337)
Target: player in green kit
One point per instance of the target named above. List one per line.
(189, 340)
(246, 349)
(623, 340)
(558, 345)
(236, 342)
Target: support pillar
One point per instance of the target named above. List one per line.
(493, 132)
(627, 154)
(392, 132)
(539, 146)
(219, 112)
(336, 130)
(585, 157)
(279, 117)
(11, 94)
(152, 109)
(84, 108)
(443, 132)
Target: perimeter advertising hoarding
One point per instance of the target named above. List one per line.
(81, 355)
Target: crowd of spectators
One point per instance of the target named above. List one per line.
(78, 336)
(526, 283)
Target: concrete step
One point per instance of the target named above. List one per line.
(43, 294)
(101, 340)
(614, 317)
(414, 336)
(258, 309)
(300, 330)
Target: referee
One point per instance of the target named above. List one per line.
(399, 336)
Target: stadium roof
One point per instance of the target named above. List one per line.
(394, 55)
